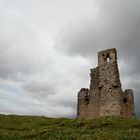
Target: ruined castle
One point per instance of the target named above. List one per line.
(105, 96)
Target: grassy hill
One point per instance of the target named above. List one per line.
(43, 128)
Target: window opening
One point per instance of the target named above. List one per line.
(108, 58)
(124, 100)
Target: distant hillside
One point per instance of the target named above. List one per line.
(43, 128)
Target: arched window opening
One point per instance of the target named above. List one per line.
(125, 100)
(86, 100)
(108, 58)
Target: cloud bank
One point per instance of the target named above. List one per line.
(48, 47)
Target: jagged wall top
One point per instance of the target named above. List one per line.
(109, 55)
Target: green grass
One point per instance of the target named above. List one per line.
(42, 128)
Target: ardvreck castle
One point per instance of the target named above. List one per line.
(105, 96)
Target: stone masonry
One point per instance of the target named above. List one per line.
(105, 96)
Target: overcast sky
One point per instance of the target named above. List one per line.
(47, 48)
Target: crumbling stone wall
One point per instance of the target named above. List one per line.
(83, 101)
(128, 103)
(105, 96)
(94, 93)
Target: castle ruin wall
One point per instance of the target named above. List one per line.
(105, 96)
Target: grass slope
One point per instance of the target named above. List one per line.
(43, 128)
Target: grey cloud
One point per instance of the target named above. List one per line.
(117, 25)
(40, 89)
(51, 75)
(16, 43)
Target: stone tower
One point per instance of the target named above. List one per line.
(105, 96)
